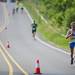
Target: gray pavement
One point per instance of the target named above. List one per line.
(25, 50)
(1, 15)
(3, 64)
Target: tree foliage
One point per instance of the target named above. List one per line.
(61, 11)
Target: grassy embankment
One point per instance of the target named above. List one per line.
(46, 31)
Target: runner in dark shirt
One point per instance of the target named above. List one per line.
(34, 28)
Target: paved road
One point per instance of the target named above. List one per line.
(1, 15)
(25, 50)
(4, 67)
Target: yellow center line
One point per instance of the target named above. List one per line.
(4, 56)
(10, 57)
(8, 62)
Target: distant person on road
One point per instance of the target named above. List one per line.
(34, 28)
(17, 6)
(71, 35)
(21, 7)
(13, 11)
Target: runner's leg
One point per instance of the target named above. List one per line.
(72, 51)
(34, 34)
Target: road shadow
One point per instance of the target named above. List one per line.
(51, 74)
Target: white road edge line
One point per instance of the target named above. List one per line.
(48, 45)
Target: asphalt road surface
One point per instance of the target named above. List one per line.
(25, 50)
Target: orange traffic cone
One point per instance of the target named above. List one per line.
(8, 46)
(37, 68)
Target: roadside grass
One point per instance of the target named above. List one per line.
(46, 32)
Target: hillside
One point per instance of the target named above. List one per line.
(57, 13)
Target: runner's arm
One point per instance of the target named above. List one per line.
(69, 33)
